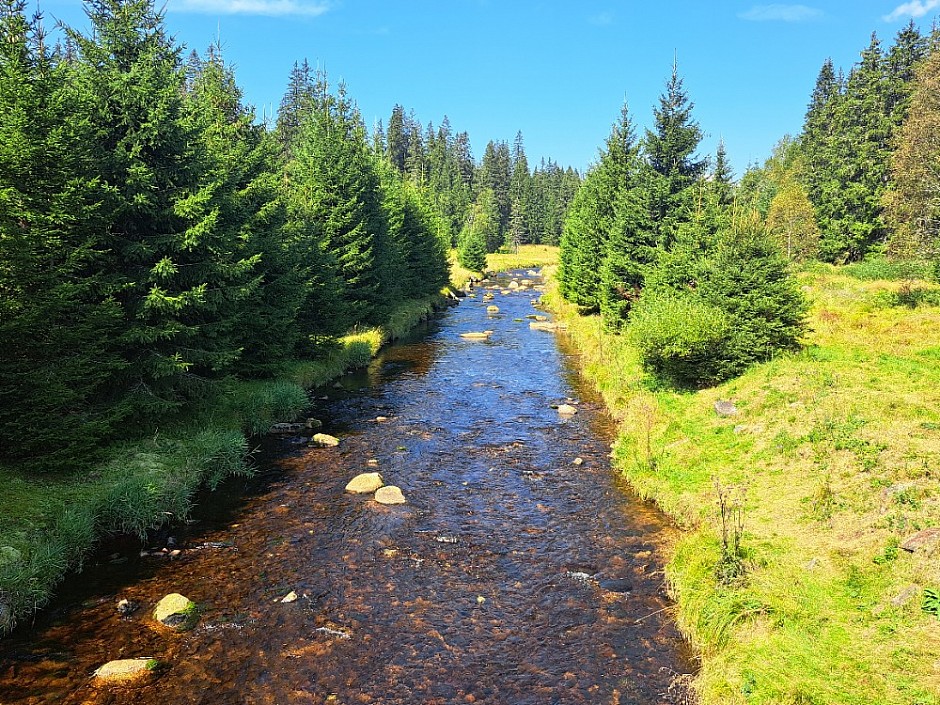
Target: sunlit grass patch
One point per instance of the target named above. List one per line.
(837, 450)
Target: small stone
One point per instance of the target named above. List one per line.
(725, 408)
(740, 428)
(513, 285)
(922, 540)
(390, 494)
(492, 309)
(126, 607)
(372, 462)
(905, 596)
(286, 428)
(323, 439)
(314, 424)
(812, 564)
(578, 461)
(289, 597)
(365, 483)
(480, 599)
(567, 410)
(175, 611)
(127, 670)
(381, 419)
(541, 325)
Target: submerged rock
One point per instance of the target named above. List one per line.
(324, 439)
(127, 670)
(176, 611)
(390, 494)
(286, 428)
(126, 607)
(365, 483)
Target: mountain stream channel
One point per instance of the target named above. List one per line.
(522, 569)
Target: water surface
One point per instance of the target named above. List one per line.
(515, 574)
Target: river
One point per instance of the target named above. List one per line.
(516, 574)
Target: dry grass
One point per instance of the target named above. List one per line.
(838, 448)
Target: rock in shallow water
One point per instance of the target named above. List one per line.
(127, 670)
(365, 483)
(324, 439)
(389, 495)
(176, 611)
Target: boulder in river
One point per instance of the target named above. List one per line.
(365, 483)
(513, 285)
(127, 671)
(176, 611)
(492, 309)
(390, 494)
(474, 335)
(567, 410)
(324, 439)
(545, 325)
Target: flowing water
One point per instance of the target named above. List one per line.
(514, 575)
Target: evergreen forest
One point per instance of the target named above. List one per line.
(695, 265)
(157, 240)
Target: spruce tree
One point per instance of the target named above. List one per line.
(169, 266)
(336, 186)
(670, 150)
(630, 245)
(57, 358)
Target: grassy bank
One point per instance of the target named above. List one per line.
(48, 523)
(834, 458)
(528, 256)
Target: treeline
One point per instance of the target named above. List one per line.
(497, 203)
(694, 267)
(652, 241)
(857, 181)
(155, 240)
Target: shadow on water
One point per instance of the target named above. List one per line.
(520, 571)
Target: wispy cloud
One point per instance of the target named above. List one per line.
(916, 8)
(270, 8)
(602, 19)
(782, 13)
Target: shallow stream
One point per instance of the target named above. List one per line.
(514, 575)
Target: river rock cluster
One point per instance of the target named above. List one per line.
(369, 482)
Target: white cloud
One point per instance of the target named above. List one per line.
(782, 13)
(271, 8)
(916, 8)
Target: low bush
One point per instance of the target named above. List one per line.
(680, 338)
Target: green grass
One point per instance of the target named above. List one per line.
(51, 521)
(528, 256)
(836, 450)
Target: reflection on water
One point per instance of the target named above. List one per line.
(514, 575)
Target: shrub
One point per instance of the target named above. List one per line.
(680, 338)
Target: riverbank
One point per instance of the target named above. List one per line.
(48, 523)
(527, 257)
(832, 456)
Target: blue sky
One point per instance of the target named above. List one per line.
(558, 71)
